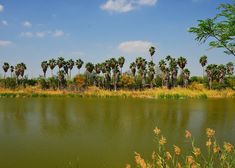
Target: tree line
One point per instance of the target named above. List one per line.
(170, 72)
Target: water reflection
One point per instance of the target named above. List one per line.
(106, 131)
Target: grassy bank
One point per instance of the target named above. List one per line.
(158, 93)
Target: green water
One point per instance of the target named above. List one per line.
(99, 133)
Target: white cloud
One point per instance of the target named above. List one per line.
(26, 34)
(4, 43)
(135, 46)
(27, 24)
(58, 33)
(40, 34)
(4, 22)
(122, 6)
(1, 7)
(118, 6)
(147, 2)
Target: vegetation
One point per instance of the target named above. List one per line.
(192, 157)
(220, 28)
(142, 74)
(108, 75)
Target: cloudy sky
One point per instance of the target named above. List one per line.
(94, 30)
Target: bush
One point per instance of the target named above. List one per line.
(158, 81)
(230, 82)
(218, 86)
(44, 83)
(80, 81)
(53, 82)
(8, 83)
(127, 81)
(198, 79)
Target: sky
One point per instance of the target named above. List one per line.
(32, 31)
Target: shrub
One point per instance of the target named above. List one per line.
(127, 81)
(8, 83)
(44, 83)
(80, 81)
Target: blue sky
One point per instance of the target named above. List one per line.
(94, 30)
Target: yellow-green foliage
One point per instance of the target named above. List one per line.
(156, 93)
(216, 155)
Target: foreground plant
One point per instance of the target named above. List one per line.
(216, 155)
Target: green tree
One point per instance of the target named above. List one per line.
(70, 66)
(230, 68)
(221, 73)
(219, 28)
(12, 70)
(203, 62)
(44, 66)
(79, 64)
(121, 62)
(89, 69)
(52, 64)
(152, 52)
(60, 62)
(186, 75)
(141, 66)
(151, 72)
(211, 71)
(133, 68)
(5, 68)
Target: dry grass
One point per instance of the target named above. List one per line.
(162, 93)
(216, 156)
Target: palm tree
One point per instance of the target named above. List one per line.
(70, 66)
(141, 66)
(61, 78)
(60, 62)
(152, 51)
(182, 62)
(97, 71)
(151, 72)
(121, 62)
(5, 68)
(89, 69)
(221, 73)
(66, 68)
(203, 62)
(22, 69)
(230, 68)
(174, 71)
(17, 72)
(79, 64)
(12, 70)
(186, 75)
(162, 66)
(44, 66)
(52, 64)
(133, 68)
(114, 65)
(211, 73)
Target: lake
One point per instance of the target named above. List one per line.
(91, 132)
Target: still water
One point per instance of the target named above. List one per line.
(100, 133)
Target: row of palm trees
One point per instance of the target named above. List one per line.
(65, 67)
(108, 73)
(216, 72)
(19, 70)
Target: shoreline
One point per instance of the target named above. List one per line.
(157, 93)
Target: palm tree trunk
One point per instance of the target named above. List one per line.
(203, 72)
(52, 73)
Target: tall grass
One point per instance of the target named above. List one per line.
(217, 155)
(156, 93)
